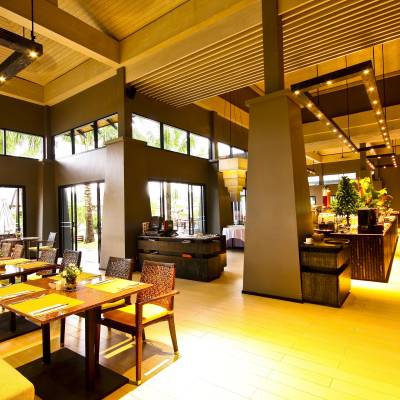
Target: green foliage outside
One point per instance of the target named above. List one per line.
(347, 199)
(23, 145)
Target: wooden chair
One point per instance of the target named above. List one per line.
(117, 268)
(71, 257)
(153, 305)
(5, 249)
(18, 251)
(48, 256)
(44, 244)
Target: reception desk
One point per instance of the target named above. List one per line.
(196, 258)
(371, 254)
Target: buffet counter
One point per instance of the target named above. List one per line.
(371, 254)
(200, 258)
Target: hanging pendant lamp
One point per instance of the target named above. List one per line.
(233, 169)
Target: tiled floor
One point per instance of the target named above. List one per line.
(236, 346)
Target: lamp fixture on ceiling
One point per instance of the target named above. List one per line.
(366, 72)
(25, 52)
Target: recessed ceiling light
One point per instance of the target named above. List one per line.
(329, 82)
(375, 102)
(2, 78)
(366, 71)
(296, 92)
(309, 105)
(371, 89)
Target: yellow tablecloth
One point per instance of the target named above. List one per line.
(13, 261)
(83, 276)
(35, 264)
(114, 286)
(48, 300)
(17, 288)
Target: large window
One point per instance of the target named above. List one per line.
(175, 139)
(313, 180)
(86, 137)
(224, 150)
(199, 146)
(180, 202)
(335, 178)
(21, 144)
(107, 129)
(147, 130)
(11, 210)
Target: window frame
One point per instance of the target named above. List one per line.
(23, 189)
(231, 153)
(71, 133)
(3, 149)
(162, 139)
(190, 201)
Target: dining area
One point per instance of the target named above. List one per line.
(43, 294)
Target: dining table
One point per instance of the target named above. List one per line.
(43, 303)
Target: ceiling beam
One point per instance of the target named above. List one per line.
(76, 80)
(194, 25)
(64, 28)
(23, 90)
(225, 109)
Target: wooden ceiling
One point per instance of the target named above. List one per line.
(56, 60)
(313, 33)
(118, 18)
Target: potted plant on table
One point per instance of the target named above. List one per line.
(347, 200)
(70, 275)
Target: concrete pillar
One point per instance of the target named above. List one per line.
(273, 47)
(364, 169)
(126, 202)
(124, 113)
(278, 204)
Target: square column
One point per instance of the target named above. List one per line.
(126, 201)
(278, 203)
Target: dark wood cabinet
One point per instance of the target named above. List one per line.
(325, 273)
(196, 258)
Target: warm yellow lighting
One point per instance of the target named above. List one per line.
(366, 71)
(328, 123)
(378, 113)
(383, 128)
(371, 89)
(329, 82)
(319, 115)
(33, 54)
(340, 135)
(234, 173)
(309, 105)
(375, 102)
(297, 92)
(381, 121)
(2, 78)
(334, 130)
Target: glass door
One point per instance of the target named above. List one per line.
(81, 208)
(11, 210)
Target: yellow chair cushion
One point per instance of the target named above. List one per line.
(126, 315)
(14, 386)
(119, 303)
(40, 248)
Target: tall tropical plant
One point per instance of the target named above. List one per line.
(347, 199)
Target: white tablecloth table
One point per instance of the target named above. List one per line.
(235, 235)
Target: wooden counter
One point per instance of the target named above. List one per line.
(196, 258)
(371, 254)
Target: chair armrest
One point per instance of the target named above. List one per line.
(162, 296)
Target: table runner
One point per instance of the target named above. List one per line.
(114, 286)
(31, 305)
(19, 287)
(13, 261)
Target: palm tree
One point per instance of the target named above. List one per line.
(24, 145)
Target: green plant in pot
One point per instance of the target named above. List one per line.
(372, 198)
(70, 274)
(347, 200)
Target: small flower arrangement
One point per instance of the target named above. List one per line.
(70, 273)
